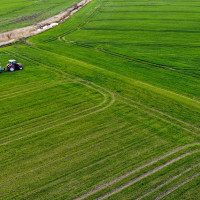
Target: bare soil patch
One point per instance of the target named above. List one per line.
(11, 36)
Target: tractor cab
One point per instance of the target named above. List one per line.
(12, 62)
(13, 65)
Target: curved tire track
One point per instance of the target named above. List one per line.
(192, 128)
(108, 100)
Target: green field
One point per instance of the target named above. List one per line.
(20, 13)
(107, 106)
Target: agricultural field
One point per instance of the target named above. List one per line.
(20, 13)
(107, 106)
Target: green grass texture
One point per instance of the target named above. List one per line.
(107, 106)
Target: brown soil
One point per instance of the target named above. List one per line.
(11, 36)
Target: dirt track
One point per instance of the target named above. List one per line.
(11, 36)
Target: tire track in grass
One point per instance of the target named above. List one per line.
(117, 152)
(54, 103)
(61, 99)
(125, 129)
(130, 103)
(133, 59)
(12, 90)
(163, 113)
(39, 118)
(119, 130)
(26, 91)
(152, 112)
(168, 181)
(87, 20)
(35, 120)
(177, 186)
(197, 129)
(60, 179)
(108, 100)
(102, 106)
(145, 175)
(103, 186)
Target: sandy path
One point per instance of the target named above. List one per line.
(11, 36)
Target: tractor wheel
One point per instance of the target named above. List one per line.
(21, 67)
(11, 69)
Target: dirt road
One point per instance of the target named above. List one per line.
(11, 36)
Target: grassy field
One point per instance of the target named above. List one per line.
(20, 13)
(107, 106)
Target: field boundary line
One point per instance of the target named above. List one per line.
(31, 30)
(103, 186)
(168, 181)
(177, 186)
